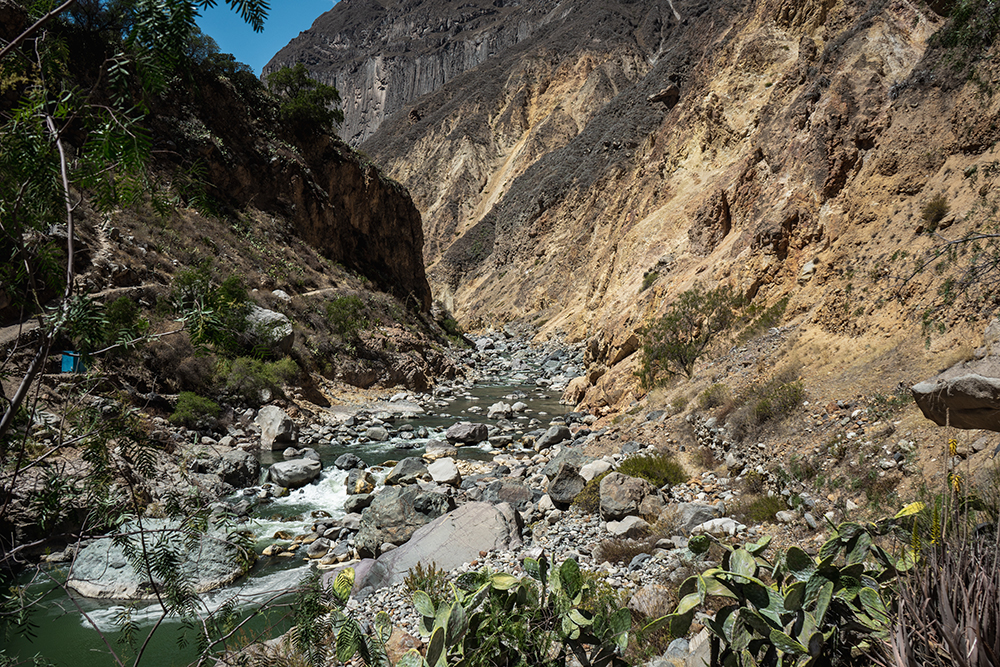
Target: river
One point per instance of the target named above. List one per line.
(65, 632)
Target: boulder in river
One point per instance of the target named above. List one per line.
(295, 473)
(348, 462)
(407, 471)
(360, 481)
(467, 432)
(566, 485)
(444, 471)
(553, 436)
(395, 513)
(277, 430)
(449, 541)
(101, 569)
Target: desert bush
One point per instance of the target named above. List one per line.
(648, 279)
(715, 396)
(194, 411)
(346, 316)
(305, 103)
(673, 343)
(215, 316)
(431, 580)
(752, 509)
(248, 379)
(123, 321)
(589, 499)
(802, 468)
(934, 211)
(658, 469)
(762, 319)
(754, 482)
(765, 403)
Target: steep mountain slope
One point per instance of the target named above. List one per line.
(703, 142)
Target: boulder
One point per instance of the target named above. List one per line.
(360, 481)
(690, 515)
(467, 432)
(499, 410)
(968, 400)
(721, 527)
(270, 329)
(576, 390)
(593, 469)
(553, 436)
(277, 429)
(630, 526)
(407, 471)
(295, 473)
(444, 471)
(348, 462)
(507, 491)
(449, 541)
(567, 454)
(622, 495)
(377, 434)
(239, 469)
(395, 513)
(566, 485)
(436, 449)
(357, 502)
(101, 569)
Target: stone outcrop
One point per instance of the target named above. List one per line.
(101, 569)
(622, 495)
(277, 430)
(394, 515)
(449, 541)
(294, 473)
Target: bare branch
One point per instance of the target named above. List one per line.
(35, 27)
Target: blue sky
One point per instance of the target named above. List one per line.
(286, 20)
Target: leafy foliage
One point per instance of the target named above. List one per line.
(589, 499)
(306, 104)
(194, 411)
(346, 315)
(247, 379)
(934, 211)
(672, 344)
(658, 469)
(430, 580)
(215, 316)
(796, 609)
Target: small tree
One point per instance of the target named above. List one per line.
(305, 102)
(672, 344)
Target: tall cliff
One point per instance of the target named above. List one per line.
(786, 148)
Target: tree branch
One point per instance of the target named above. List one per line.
(35, 27)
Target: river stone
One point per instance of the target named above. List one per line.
(499, 410)
(360, 481)
(507, 491)
(449, 541)
(357, 502)
(969, 401)
(348, 462)
(467, 432)
(295, 473)
(630, 526)
(377, 434)
(553, 436)
(407, 471)
(436, 449)
(566, 454)
(621, 495)
(102, 571)
(566, 485)
(395, 513)
(239, 469)
(444, 471)
(318, 548)
(520, 406)
(277, 429)
(690, 515)
(593, 469)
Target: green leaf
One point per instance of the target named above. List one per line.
(533, 569)
(784, 643)
(741, 562)
(423, 604)
(816, 643)
(383, 626)
(571, 579)
(503, 581)
(343, 583)
(348, 640)
(577, 617)
(760, 546)
(457, 625)
(859, 551)
(794, 596)
(411, 658)
(436, 654)
(873, 605)
(756, 621)
(823, 602)
(799, 563)
(909, 510)
(687, 603)
(829, 548)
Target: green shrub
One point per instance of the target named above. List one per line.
(762, 320)
(658, 469)
(752, 509)
(305, 103)
(431, 580)
(648, 279)
(673, 343)
(346, 315)
(247, 378)
(194, 411)
(215, 316)
(934, 212)
(589, 499)
(802, 468)
(795, 609)
(123, 322)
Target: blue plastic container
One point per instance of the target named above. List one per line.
(72, 362)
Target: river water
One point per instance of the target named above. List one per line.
(65, 634)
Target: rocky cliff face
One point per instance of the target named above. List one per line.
(786, 148)
(336, 200)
